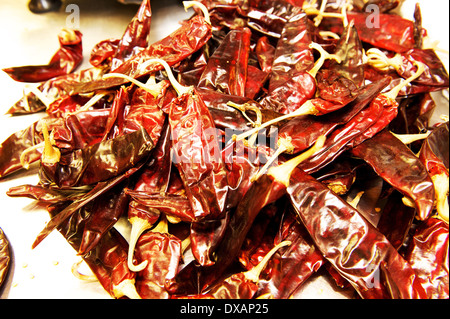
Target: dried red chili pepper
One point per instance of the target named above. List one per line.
(226, 70)
(162, 253)
(106, 211)
(99, 189)
(354, 247)
(263, 191)
(106, 260)
(243, 285)
(434, 156)
(5, 257)
(182, 43)
(396, 220)
(399, 166)
(135, 37)
(428, 255)
(68, 57)
(295, 264)
(88, 166)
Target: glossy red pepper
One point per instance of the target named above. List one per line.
(400, 167)
(68, 57)
(226, 70)
(428, 256)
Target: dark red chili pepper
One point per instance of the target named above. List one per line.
(354, 247)
(68, 57)
(400, 167)
(161, 252)
(102, 53)
(265, 53)
(435, 158)
(106, 211)
(243, 285)
(5, 257)
(396, 220)
(295, 264)
(99, 189)
(388, 31)
(293, 54)
(88, 166)
(428, 256)
(183, 42)
(263, 191)
(135, 37)
(107, 260)
(226, 70)
(45, 195)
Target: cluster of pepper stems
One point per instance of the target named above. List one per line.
(356, 186)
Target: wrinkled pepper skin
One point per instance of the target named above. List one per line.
(400, 167)
(358, 251)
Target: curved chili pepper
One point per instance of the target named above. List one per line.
(193, 278)
(88, 166)
(135, 37)
(5, 257)
(183, 42)
(162, 253)
(106, 260)
(354, 247)
(295, 264)
(106, 211)
(226, 70)
(435, 158)
(64, 61)
(428, 256)
(400, 167)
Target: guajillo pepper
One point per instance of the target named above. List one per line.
(153, 179)
(161, 254)
(290, 97)
(97, 190)
(428, 255)
(193, 278)
(226, 70)
(371, 120)
(358, 251)
(243, 285)
(107, 260)
(64, 61)
(399, 166)
(434, 155)
(177, 46)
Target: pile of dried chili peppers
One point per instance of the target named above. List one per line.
(258, 144)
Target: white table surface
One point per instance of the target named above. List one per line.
(27, 39)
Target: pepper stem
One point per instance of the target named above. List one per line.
(441, 186)
(307, 108)
(411, 138)
(162, 227)
(76, 272)
(393, 93)
(176, 85)
(154, 89)
(324, 55)
(377, 59)
(254, 273)
(97, 97)
(201, 6)
(283, 172)
(138, 226)
(51, 154)
(25, 164)
(126, 288)
(284, 145)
